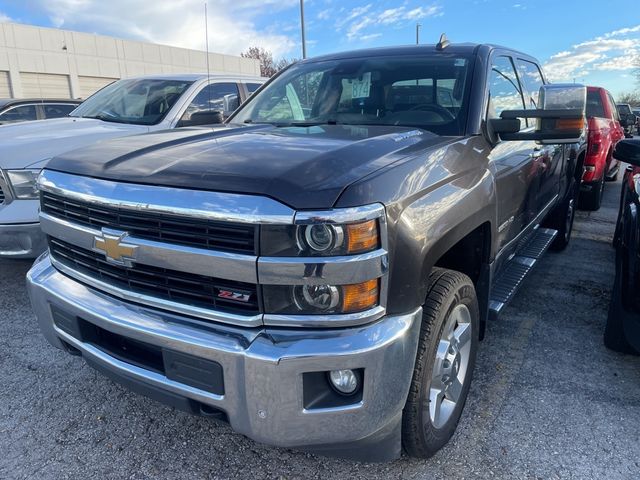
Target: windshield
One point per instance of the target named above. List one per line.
(137, 101)
(624, 109)
(429, 92)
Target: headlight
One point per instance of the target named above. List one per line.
(321, 299)
(320, 239)
(335, 263)
(23, 183)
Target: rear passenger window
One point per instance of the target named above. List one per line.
(504, 89)
(531, 79)
(252, 87)
(58, 110)
(595, 108)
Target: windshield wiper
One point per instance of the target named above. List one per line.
(311, 123)
(105, 118)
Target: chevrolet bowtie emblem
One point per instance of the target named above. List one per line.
(116, 250)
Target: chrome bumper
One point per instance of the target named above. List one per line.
(262, 367)
(24, 240)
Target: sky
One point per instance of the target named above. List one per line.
(586, 41)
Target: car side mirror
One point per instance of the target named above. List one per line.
(628, 151)
(204, 117)
(560, 116)
(230, 103)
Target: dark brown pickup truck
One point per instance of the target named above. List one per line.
(317, 271)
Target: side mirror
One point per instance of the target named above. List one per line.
(560, 116)
(628, 151)
(230, 103)
(204, 117)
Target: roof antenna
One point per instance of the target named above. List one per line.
(443, 42)
(206, 40)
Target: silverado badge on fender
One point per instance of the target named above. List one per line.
(116, 251)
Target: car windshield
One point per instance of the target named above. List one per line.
(429, 92)
(624, 109)
(136, 101)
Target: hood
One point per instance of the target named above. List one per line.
(303, 167)
(29, 143)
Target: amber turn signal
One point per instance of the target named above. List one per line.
(570, 124)
(362, 237)
(360, 296)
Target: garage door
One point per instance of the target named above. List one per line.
(45, 85)
(90, 85)
(5, 86)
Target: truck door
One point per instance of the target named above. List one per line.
(547, 159)
(514, 167)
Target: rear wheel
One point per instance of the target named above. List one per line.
(592, 200)
(562, 219)
(444, 363)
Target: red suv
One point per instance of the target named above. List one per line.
(605, 131)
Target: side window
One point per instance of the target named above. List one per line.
(504, 89)
(613, 107)
(223, 97)
(531, 79)
(595, 107)
(252, 87)
(58, 110)
(21, 113)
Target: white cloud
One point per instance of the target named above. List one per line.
(179, 23)
(325, 14)
(371, 36)
(363, 17)
(5, 18)
(618, 50)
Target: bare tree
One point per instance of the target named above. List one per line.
(632, 98)
(268, 66)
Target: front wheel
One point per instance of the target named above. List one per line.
(444, 363)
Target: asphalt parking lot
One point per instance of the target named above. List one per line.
(548, 400)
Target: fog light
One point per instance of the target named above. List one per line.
(344, 381)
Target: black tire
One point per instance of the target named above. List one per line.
(561, 219)
(592, 200)
(614, 337)
(449, 292)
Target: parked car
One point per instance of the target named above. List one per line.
(636, 112)
(13, 110)
(627, 118)
(317, 271)
(622, 332)
(125, 107)
(605, 132)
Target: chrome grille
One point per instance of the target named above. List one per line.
(1, 196)
(192, 232)
(186, 288)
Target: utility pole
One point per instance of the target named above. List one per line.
(304, 43)
(418, 25)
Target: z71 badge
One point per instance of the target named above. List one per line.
(238, 296)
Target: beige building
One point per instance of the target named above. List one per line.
(47, 62)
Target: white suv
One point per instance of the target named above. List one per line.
(126, 107)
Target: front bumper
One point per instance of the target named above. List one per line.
(23, 240)
(262, 368)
